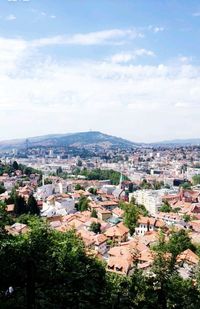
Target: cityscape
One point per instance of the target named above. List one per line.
(99, 154)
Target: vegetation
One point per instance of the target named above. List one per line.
(79, 187)
(132, 211)
(48, 269)
(186, 185)
(131, 215)
(156, 185)
(95, 227)
(33, 208)
(12, 167)
(94, 213)
(196, 179)
(82, 204)
(93, 191)
(2, 188)
(166, 207)
(99, 174)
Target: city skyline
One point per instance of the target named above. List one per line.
(126, 68)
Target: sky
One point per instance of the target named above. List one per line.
(130, 68)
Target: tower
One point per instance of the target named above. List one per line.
(120, 181)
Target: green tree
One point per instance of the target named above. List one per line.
(33, 208)
(15, 165)
(2, 188)
(79, 163)
(196, 179)
(5, 219)
(165, 208)
(48, 269)
(131, 215)
(95, 227)
(94, 213)
(186, 218)
(83, 203)
(186, 185)
(93, 191)
(79, 187)
(48, 181)
(20, 206)
(178, 242)
(59, 170)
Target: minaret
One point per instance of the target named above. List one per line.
(120, 181)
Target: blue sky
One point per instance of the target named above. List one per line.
(125, 67)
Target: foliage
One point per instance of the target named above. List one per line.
(27, 170)
(48, 181)
(79, 163)
(94, 213)
(5, 218)
(145, 184)
(33, 208)
(100, 174)
(59, 171)
(20, 205)
(79, 187)
(186, 185)
(196, 179)
(186, 218)
(2, 188)
(131, 215)
(15, 165)
(178, 242)
(82, 204)
(165, 208)
(95, 227)
(93, 191)
(49, 270)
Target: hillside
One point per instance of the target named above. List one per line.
(179, 142)
(83, 139)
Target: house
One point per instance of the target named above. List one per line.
(187, 262)
(117, 233)
(118, 213)
(108, 205)
(195, 225)
(146, 224)
(122, 257)
(16, 229)
(10, 208)
(103, 214)
(170, 218)
(119, 265)
(100, 243)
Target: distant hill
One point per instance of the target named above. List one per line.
(83, 139)
(179, 142)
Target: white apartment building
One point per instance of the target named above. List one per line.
(151, 199)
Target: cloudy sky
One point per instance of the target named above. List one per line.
(130, 68)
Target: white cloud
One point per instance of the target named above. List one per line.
(126, 57)
(113, 36)
(156, 29)
(140, 102)
(11, 17)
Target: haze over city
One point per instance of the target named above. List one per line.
(126, 68)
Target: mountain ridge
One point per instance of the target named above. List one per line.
(79, 139)
(87, 139)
